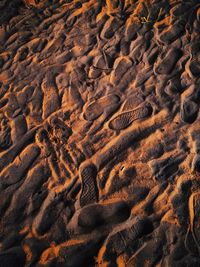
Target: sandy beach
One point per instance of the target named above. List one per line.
(99, 133)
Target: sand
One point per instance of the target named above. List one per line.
(100, 133)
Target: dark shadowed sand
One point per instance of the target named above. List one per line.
(100, 133)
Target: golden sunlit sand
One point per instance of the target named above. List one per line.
(99, 133)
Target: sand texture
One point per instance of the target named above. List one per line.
(100, 133)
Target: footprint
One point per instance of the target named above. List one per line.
(62, 81)
(20, 166)
(32, 184)
(22, 54)
(194, 68)
(143, 76)
(132, 102)
(5, 133)
(42, 138)
(155, 149)
(194, 211)
(164, 169)
(189, 111)
(97, 215)
(196, 163)
(123, 239)
(120, 68)
(51, 101)
(124, 119)
(38, 45)
(151, 56)
(98, 107)
(147, 254)
(133, 25)
(89, 193)
(190, 243)
(169, 61)
(61, 131)
(14, 256)
(18, 127)
(48, 213)
(110, 27)
(10, 155)
(36, 246)
(179, 9)
(172, 32)
(13, 108)
(76, 154)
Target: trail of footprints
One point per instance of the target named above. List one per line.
(99, 133)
